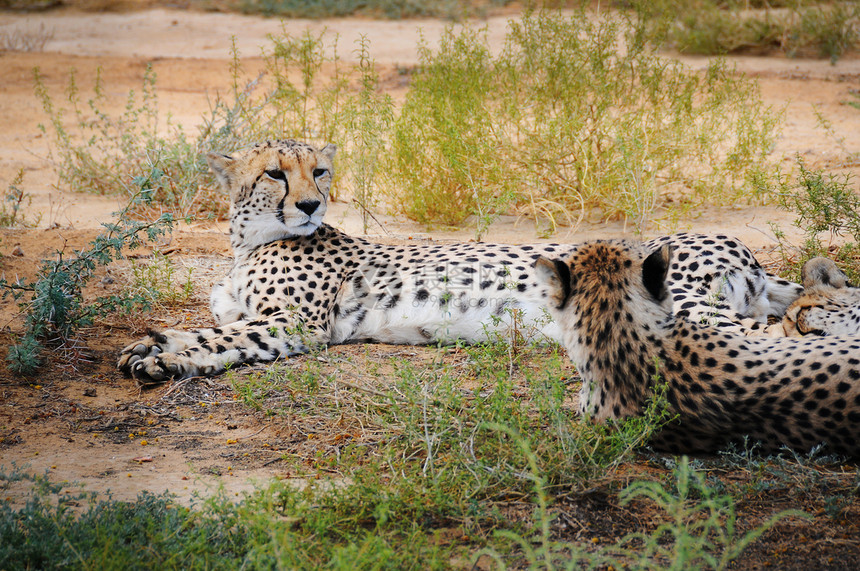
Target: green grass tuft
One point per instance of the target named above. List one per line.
(827, 207)
(13, 204)
(563, 123)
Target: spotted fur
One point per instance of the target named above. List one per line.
(613, 302)
(720, 271)
(297, 282)
(830, 305)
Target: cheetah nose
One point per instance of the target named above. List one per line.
(308, 206)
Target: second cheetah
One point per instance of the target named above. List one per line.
(612, 302)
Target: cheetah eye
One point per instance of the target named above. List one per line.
(276, 174)
(320, 172)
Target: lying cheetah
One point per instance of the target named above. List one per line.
(829, 304)
(296, 281)
(613, 304)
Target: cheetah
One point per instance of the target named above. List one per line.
(829, 304)
(298, 282)
(612, 300)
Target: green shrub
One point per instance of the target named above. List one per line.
(368, 116)
(823, 202)
(111, 154)
(702, 531)
(445, 160)
(830, 30)
(54, 305)
(14, 202)
(564, 121)
(796, 28)
(826, 206)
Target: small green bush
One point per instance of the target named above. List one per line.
(701, 531)
(826, 206)
(111, 154)
(707, 27)
(53, 304)
(13, 203)
(368, 116)
(563, 121)
(823, 202)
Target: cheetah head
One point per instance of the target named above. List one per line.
(829, 305)
(603, 291)
(278, 189)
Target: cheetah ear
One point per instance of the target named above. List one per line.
(555, 275)
(822, 271)
(654, 271)
(220, 165)
(328, 151)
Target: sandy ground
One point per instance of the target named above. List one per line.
(83, 423)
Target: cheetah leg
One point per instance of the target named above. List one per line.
(173, 354)
(225, 307)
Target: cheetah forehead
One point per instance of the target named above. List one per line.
(287, 155)
(606, 260)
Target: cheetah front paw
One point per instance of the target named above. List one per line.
(157, 369)
(137, 351)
